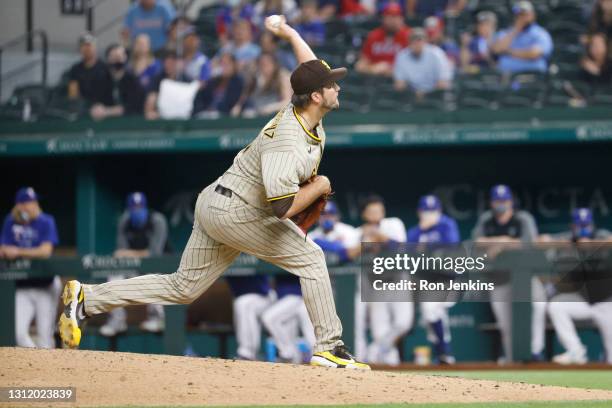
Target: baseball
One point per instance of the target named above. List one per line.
(275, 20)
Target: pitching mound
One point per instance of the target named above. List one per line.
(118, 379)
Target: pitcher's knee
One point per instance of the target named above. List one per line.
(184, 291)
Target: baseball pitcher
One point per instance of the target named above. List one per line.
(249, 209)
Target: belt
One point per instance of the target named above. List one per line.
(223, 191)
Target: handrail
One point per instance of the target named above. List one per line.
(28, 37)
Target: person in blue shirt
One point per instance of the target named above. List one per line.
(29, 233)
(252, 296)
(284, 315)
(151, 17)
(310, 25)
(434, 227)
(526, 46)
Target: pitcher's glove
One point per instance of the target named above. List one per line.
(310, 215)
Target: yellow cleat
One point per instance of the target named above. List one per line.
(70, 320)
(339, 357)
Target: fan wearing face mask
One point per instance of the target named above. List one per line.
(504, 226)
(434, 227)
(141, 233)
(29, 233)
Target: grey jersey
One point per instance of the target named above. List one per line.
(284, 155)
(528, 230)
(157, 237)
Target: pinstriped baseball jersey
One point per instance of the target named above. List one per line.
(284, 155)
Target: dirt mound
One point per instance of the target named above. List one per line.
(118, 379)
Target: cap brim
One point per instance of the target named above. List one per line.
(337, 74)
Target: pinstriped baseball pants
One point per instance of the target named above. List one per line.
(223, 228)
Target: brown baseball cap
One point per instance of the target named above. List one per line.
(314, 74)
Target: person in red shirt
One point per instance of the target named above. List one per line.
(383, 43)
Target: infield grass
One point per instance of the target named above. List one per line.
(595, 379)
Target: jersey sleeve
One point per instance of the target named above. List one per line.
(395, 230)
(159, 236)
(279, 164)
(49, 232)
(413, 235)
(529, 230)
(279, 173)
(122, 242)
(353, 237)
(451, 232)
(478, 231)
(6, 237)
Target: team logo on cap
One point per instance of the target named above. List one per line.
(325, 64)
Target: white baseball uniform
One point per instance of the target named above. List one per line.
(233, 215)
(350, 237)
(388, 320)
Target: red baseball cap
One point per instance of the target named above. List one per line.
(392, 9)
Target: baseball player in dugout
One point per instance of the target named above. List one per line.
(568, 303)
(29, 233)
(250, 209)
(435, 228)
(141, 232)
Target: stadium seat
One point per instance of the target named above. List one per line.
(480, 90)
(527, 89)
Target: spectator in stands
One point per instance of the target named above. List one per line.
(434, 26)
(29, 233)
(197, 66)
(171, 70)
(524, 47)
(383, 43)
(601, 19)
(222, 92)
(505, 225)
(241, 46)
(309, 25)
(422, 67)
(265, 8)
(233, 11)
(151, 17)
(268, 92)
(328, 9)
(89, 78)
(426, 8)
(142, 62)
(476, 50)
(176, 30)
(596, 64)
(127, 94)
(269, 44)
(141, 233)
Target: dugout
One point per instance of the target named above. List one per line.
(554, 159)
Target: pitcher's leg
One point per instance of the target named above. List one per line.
(281, 243)
(203, 261)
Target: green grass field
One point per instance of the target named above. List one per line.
(596, 379)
